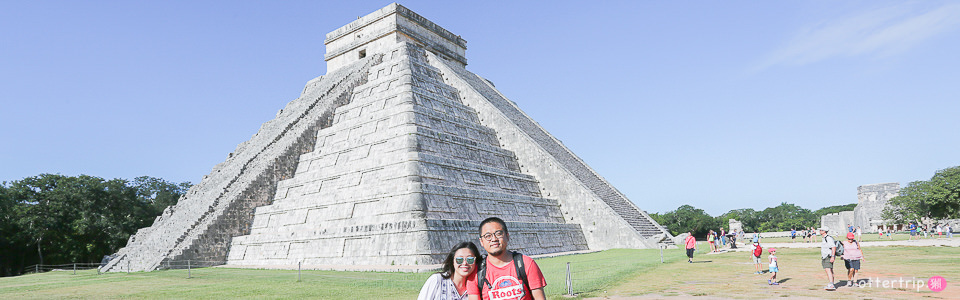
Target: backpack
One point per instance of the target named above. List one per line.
(517, 263)
(839, 247)
(757, 251)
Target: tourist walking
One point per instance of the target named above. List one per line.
(828, 252)
(723, 236)
(859, 233)
(757, 252)
(913, 230)
(852, 256)
(451, 282)
(504, 274)
(939, 231)
(712, 239)
(774, 267)
(949, 230)
(793, 235)
(691, 245)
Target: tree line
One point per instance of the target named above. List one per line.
(783, 217)
(57, 219)
(924, 201)
(927, 200)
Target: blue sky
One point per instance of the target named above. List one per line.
(717, 104)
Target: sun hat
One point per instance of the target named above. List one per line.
(850, 235)
(772, 250)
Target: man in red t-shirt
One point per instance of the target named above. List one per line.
(501, 281)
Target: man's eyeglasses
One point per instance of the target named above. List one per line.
(489, 236)
(468, 259)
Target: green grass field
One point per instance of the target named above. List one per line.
(617, 272)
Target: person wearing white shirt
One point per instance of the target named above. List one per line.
(451, 282)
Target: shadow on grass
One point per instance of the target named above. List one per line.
(856, 284)
(703, 261)
(784, 280)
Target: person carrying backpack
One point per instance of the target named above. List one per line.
(757, 252)
(828, 250)
(504, 274)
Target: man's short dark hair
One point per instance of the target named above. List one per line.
(493, 219)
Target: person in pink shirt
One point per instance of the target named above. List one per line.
(691, 243)
(852, 256)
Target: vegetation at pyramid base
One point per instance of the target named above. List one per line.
(57, 219)
(936, 199)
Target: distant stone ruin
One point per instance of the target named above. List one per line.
(837, 222)
(392, 157)
(871, 199)
(734, 225)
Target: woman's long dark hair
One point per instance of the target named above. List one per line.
(448, 267)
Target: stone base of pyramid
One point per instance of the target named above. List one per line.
(409, 243)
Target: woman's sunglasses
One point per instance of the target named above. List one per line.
(469, 259)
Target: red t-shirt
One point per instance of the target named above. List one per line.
(506, 283)
(691, 242)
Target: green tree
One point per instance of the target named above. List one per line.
(158, 192)
(835, 209)
(746, 216)
(12, 247)
(937, 198)
(56, 219)
(784, 217)
(688, 218)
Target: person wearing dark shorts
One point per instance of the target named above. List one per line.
(691, 245)
(852, 255)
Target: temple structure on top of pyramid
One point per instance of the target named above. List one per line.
(392, 157)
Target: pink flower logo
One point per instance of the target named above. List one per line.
(937, 283)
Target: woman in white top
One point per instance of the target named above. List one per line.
(451, 282)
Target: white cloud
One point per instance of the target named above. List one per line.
(880, 32)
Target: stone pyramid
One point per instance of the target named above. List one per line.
(392, 157)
